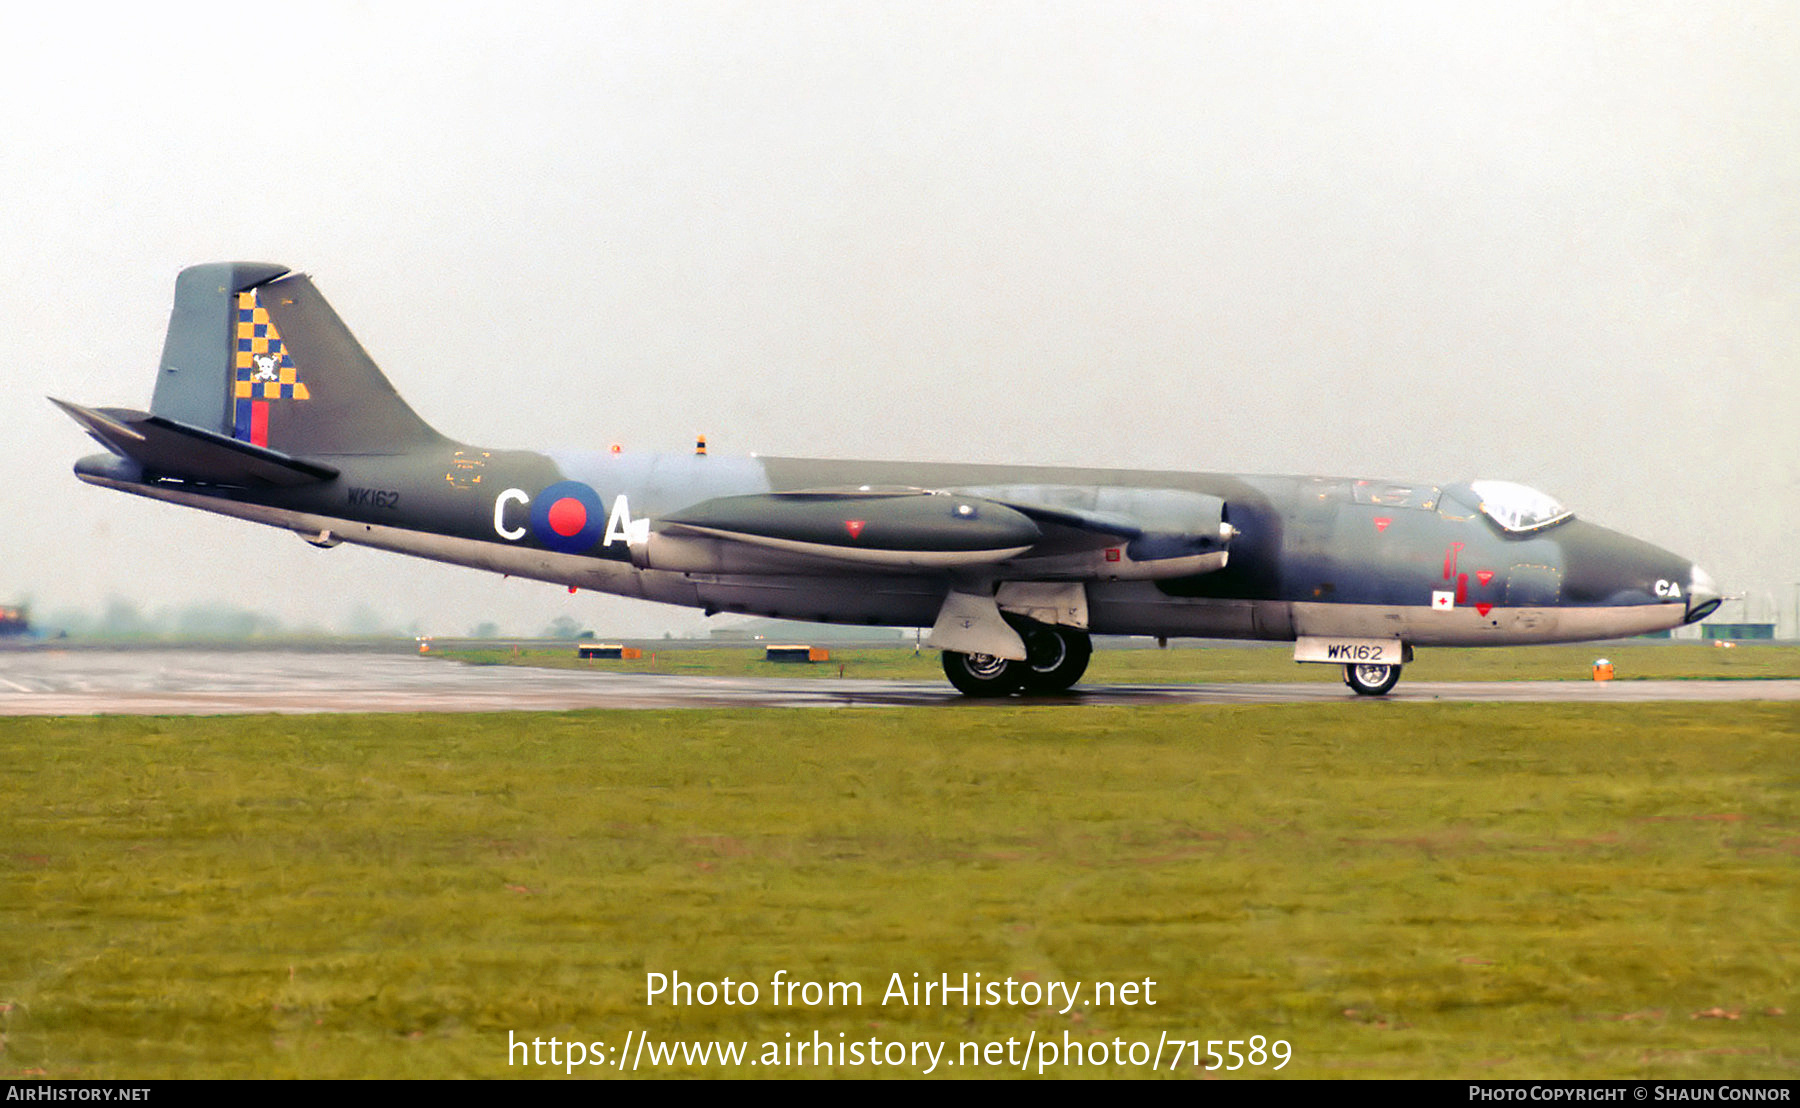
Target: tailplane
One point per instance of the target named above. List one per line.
(254, 354)
(154, 448)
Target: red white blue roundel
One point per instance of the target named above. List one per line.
(567, 517)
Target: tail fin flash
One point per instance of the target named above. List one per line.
(262, 372)
(256, 354)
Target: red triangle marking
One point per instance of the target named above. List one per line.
(1484, 609)
(1484, 575)
(855, 527)
(1382, 522)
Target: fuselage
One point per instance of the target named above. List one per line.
(1311, 556)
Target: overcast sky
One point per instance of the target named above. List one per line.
(1555, 243)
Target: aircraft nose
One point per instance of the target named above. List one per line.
(1703, 596)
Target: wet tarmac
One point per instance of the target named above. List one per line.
(201, 682)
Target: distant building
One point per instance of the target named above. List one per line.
(15, 621)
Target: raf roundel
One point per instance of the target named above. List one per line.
(567, 517)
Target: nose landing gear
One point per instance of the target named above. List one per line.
(1371, 680)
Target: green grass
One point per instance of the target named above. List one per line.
(1632, 662)
(1422, 890)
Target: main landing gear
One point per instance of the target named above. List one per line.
(1371, 680)
(1055, 658)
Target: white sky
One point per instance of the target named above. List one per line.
(1556, 243)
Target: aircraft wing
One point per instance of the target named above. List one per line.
(1113, 532)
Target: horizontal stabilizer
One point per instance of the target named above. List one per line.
(165, 448)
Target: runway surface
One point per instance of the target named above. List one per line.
(180, 682)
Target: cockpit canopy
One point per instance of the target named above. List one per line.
(1517, 508)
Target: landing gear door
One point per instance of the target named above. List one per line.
(1346, 651)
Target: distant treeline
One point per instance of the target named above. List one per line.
(125, 619)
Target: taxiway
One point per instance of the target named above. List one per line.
(180, 682)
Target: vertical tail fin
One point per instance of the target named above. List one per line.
(257, 354)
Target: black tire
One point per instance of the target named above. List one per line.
(1371, 680)
(1055, 658)
(983, 674)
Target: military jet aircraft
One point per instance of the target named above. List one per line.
(266, 408)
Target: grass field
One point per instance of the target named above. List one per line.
(1428, 890)
(1637, 661)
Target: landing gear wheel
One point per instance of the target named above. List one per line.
(1371, 680)
(983, 674)
(1055, 658)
